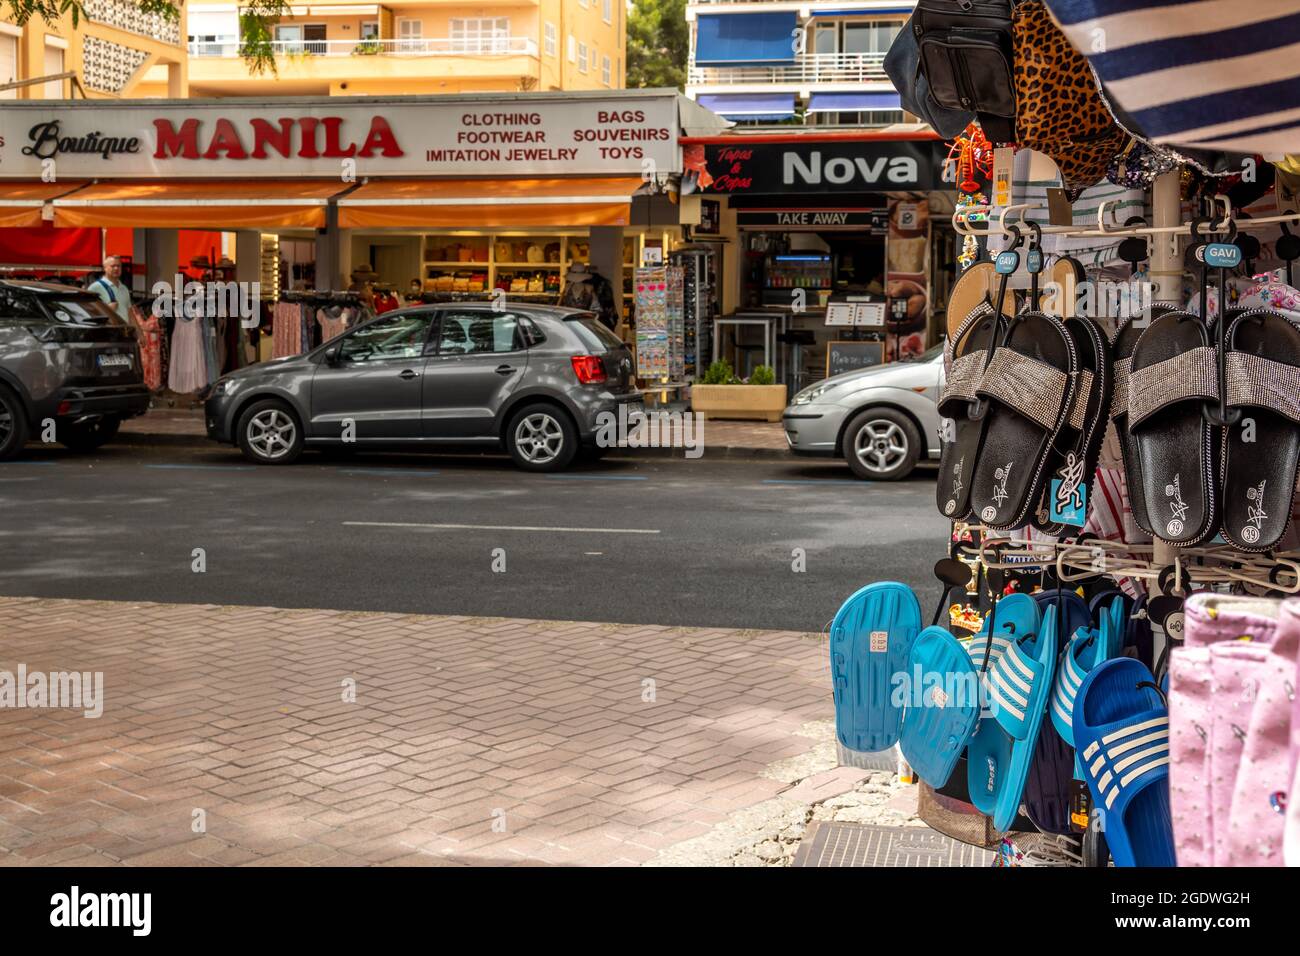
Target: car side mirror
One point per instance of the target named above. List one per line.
(332, 355)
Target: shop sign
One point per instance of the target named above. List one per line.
(874, 219)
(818, 167)
(341, 137)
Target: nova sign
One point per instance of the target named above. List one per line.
(843, 170)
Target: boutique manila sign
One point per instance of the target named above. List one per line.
(342, 137)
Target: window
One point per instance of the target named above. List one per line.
(869, 36)
(396, 337)
(20, 305)
(473, 333)
(54, 66)
(825, 38)
(480, 35)
(370, 29)
(582, 57)
(573, 49)
(410, 33)
(288, 39)
(83, 311)
(607, 10)
(551, 44)
(605, 70)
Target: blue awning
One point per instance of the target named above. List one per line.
(728, 39)
(749, 106)
(853, 102)
(854, 11)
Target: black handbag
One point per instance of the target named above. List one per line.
(967, 55)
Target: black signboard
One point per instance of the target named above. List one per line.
(830, 166)
(710, 218)
(849, 356)
(876, 220)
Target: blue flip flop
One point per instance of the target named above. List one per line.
(1121, 730)
(870, 639)
(942, 708)
(1016, 687)
(1016, 614)
(1086, 650)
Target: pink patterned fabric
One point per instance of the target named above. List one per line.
(1203, 747)
(1256, 821)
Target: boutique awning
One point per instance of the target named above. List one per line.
(249, 204)
(751, 106)
(21, 203)
(416, 203)
(853, 102)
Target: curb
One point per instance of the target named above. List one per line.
(162, 439)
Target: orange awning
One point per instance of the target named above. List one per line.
(494, 203)
(250, 204)
(21, 203)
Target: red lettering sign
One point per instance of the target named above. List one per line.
(226, 143)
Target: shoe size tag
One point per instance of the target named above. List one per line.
(1069, 494)
(879, 642)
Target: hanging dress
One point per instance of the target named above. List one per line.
(189, 366)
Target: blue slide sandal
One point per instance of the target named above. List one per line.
(943, 705)
(1016, 687)
(1087, 649)
(871, 637)
(1121, 730)
(1016, 614)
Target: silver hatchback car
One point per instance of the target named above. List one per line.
(531, 379)
(881, 420)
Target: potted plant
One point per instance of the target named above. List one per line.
(720, 394)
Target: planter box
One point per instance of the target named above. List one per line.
(750, 402)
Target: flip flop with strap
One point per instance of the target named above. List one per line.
(1126, 340)
(960, 435)
(1029, 386)
(1174, 374)
(1261, 452)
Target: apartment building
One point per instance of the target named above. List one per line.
(795, 62)
(114, 51)
(345, 48)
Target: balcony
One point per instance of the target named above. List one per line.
(808, 70)
(444, 46)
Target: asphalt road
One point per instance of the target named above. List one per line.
(700, 543)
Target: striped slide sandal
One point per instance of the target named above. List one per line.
(1121, 730)
(1087, 649)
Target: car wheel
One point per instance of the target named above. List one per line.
(269, 433)
(541, 438)
(881, 444)
(13, 424)
(87, 436)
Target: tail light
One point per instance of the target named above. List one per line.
(590, 369)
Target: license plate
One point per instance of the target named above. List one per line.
(114, 361)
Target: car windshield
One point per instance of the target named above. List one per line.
(81, 311)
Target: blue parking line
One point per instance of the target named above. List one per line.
(812, 481)
(205, 467)
(387, 471)
(29, 461)
(597, 477)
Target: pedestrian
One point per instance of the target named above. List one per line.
(110, 289)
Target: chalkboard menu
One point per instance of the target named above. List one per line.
(850, 356)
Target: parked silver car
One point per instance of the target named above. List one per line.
(68, 360)
(531, 379)
(881, 420)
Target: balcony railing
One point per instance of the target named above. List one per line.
(443, 46)
(807, 68)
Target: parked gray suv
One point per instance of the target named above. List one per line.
(531, 379)
(68, 358)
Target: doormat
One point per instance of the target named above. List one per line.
(831, 843)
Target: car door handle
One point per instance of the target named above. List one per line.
(408, 374)
(505, 369)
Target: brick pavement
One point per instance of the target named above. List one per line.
(458, 722)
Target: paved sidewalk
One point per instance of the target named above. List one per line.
(225, 737)
(184, 426)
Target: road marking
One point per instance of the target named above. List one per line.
(205, 467)
(386, 471)
(597, 477)
(812, 481)
(493, 527)
(29, 461)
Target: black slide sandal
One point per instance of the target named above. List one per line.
(1067, 494)
(1126, 340)
(1029, 389)
(1174, 373)
(1261, 452)
(961, 436)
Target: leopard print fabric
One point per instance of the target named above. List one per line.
(1059, 108)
